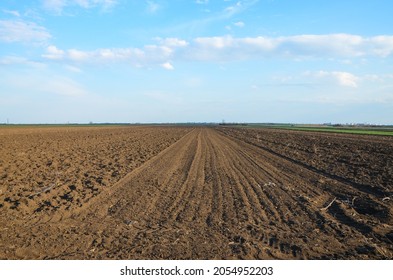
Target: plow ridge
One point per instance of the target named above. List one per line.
(361, 187)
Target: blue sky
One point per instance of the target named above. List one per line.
(196, 61)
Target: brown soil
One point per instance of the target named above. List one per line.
(199, 193)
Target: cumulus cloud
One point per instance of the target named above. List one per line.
(301, 46)
(228, 48)
(78, 55)
(167, 66)
(95, 56)
(345, 79)
(20, 31)
(322, 45)
(155, 54)
(381, 45)
(54, 53)
(172, 42)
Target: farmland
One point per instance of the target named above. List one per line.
(178, 192)
(364, 130)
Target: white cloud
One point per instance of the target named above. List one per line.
(78, 55)
(167, 66)
(11, 12)
(172, 42)
(215, 42)
(107, 4)
(22, 31)
(345, 79)
(239, 24)
(301, 46)
(228, 48)
(15, 60)
(234, 9)
(54, 53)
(54, 5)
(9, 60)
(325, 45)
(95, 56)
(158, 54)
(238, 7)
(58, 6)
(83, 3)
(382, 45)
(73, 69)
(201, 1)
(152, 7)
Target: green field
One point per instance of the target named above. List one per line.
(378, 130)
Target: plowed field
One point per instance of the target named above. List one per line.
(205, 193)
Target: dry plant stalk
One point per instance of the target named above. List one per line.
(330, 204)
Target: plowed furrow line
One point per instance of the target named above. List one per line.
(311, 217)
(209, 200)
(174, 186)
(250, 194)
(335, 223)
(133, 204)
(254, 195)
(286, 203)
(268, 198)
(214, 183)
(249, 170)
(243, 205)
(230, 195)
(268, 209)
(279, 174)
(282, 176)
(366, 189)
(188, 187)
(190, 203)
(115, 192)
(234, 210)
(353, 186)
